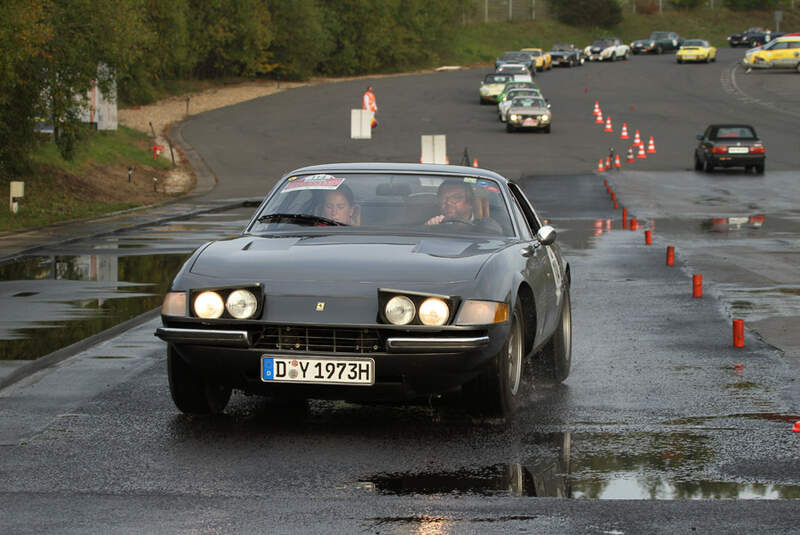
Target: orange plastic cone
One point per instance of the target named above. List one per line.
(608, 163)
(420, 158)
(475, 162)
(636, 139)
(599, 119)
(641, 154)
(447, 160)
(617, 163)
(600, 166)
(796, 427)
(630, 158)
(624, 134)
(651, 147)
(608, 125)
(596, 108)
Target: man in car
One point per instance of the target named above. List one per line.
(457, 204)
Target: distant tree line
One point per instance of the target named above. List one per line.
(50, 50)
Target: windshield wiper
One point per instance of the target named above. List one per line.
(301, 219)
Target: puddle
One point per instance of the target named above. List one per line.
(60, 297)
(638, 466)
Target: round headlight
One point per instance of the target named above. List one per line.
(545, 117)
(399, 310)
(208, 305)
(434, 311)
(241, 304)
(513, 117)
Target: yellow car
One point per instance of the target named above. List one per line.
(696, 50)
(542, 59)
(781, 53)
(492, 85)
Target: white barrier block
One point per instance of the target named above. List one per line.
(434, 149)
(360, 124)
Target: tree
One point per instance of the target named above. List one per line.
(301, 40)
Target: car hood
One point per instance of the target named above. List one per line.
(528, 110)
(353, 258)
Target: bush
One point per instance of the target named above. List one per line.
(602, 13)
(759, 5)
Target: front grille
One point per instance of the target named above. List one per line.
(320, 340)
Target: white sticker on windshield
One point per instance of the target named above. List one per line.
(328, 182)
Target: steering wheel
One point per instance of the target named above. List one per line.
(454, 221)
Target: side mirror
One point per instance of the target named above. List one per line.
(699, 137)
(546, 235)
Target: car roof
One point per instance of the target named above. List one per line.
(731, 125)
(793, 37)
(398, 168)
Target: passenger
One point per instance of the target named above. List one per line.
(456, 201)
(338, 205)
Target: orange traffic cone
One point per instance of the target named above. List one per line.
(599, 119)
(608, 125)
(617, 163)
(600, 166)
(630, 158)
(651, 147)
(636, 139)
(596, 108)
(608, 163)
(447, 160)
(420, 158)
(624, 134)
(796, 427)
(641, 154)
(475, 162)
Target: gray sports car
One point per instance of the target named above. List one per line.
(529, 112)
(374, 282)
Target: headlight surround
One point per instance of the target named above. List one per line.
(474, 312)
(241, 304)
(399, 310)
(544, 118)
(208, 305)
(174, 304)
(433, 311)
(513, 117)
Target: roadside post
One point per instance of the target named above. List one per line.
(778, 14)
(16, 194)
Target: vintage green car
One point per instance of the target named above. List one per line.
(492, 85)
(516, 84)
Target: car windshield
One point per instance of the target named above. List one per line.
(524, 93)
(604, 43)
(527, 102)
(386, 203)
(733, 132)
(695, 42)
(561, 47)
(535, 53)
(511, 56)
(497, 78)
(659, 35)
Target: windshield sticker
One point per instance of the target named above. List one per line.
(327, 182)
(470, 180)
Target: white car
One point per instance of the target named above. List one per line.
(607, 49)
(502, 107)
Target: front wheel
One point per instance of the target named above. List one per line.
(191, 393)
(698, 165)
(557, 354)
(547, 129)
(659, 50)
(509, 128)
(709, 167)
(797, 67)
(498, 391)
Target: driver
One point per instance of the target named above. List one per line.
(456, 202)
(338, 205)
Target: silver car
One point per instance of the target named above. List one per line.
(529, 112)
(505, 104)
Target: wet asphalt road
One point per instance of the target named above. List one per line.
(660, 412)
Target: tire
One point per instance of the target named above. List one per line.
(709, 167)
(483, 102)
(679, 60)
(613, 57)
(797, 67)
(760, 168)
(557, 353)
(510, 128)
(698, 165)
(546, 129)
(500, 389)
(191, 393)
(659, 50)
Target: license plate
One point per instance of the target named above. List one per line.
(690, 58)
(738, 150)
(318, 370)
(530, 122)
